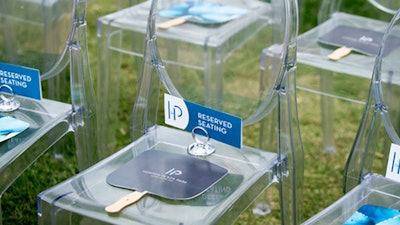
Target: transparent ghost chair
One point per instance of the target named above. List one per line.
(315, 47)
(372, 170)
(45, 36)
(271, 153)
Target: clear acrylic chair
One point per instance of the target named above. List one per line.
(264, 98)
(374, 15)
(46, 36)
(371, 172)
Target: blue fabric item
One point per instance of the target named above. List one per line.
(177, 10)
(222, 10)
(9, 125)
(203, 12)
(372, 214)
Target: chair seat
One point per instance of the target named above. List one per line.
(375, 190)
(85, 196)
(46, 118)
(311, 53)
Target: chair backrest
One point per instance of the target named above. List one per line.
(266, 100)
(380, 124)
(251, 100)
(378, 9)
(47, 35)
(388, 6)
(34, 34)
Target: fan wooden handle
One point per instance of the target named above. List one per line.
(172, 22)
(339, 53)
(129, 199)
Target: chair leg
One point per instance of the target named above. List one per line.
(326, 78)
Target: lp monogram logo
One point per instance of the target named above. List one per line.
(173, 172)
(176, 112)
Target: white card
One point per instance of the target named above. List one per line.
(393, 165)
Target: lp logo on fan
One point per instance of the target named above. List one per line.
(176, 112)
(173, 172)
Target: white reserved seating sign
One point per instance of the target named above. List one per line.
(393, 166)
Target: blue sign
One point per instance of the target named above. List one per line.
(187, 115)
(24, 81)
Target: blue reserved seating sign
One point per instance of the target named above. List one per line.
(24, 81)
(187, 115)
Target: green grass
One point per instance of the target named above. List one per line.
(323, 172)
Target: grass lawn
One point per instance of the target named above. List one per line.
(323, 172)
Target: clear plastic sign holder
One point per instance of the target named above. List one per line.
(199, 147)
(8, 102)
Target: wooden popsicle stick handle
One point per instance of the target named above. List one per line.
(172, 23)
(339, 53)
(125, 201)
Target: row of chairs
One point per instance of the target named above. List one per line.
(243, 64)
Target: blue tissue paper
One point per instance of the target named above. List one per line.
(372, 214)
(10, 127)
(203, 12)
